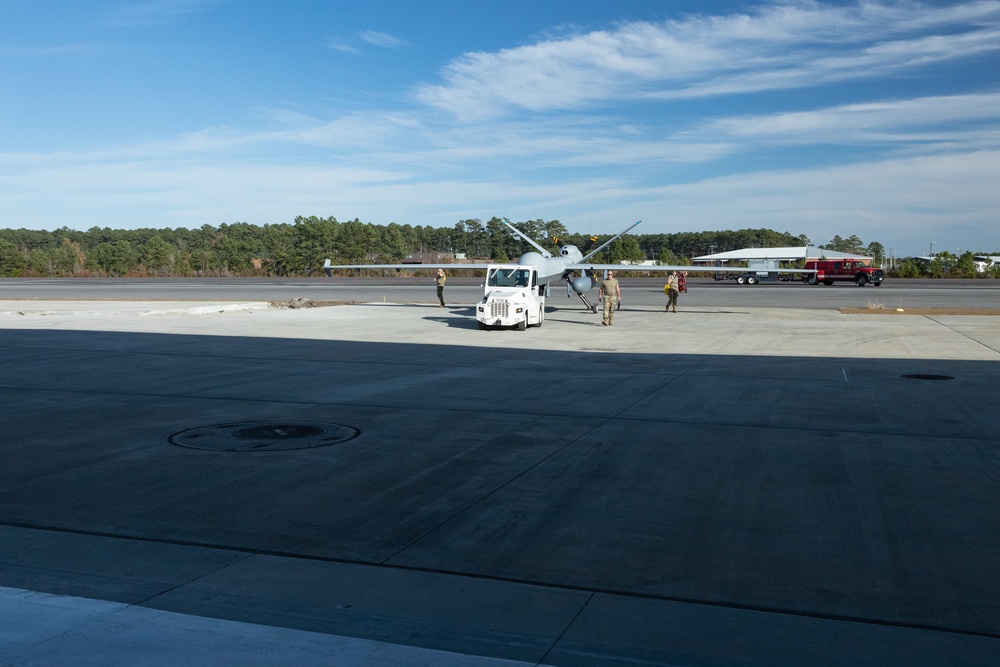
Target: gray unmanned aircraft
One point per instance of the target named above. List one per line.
(569, 266)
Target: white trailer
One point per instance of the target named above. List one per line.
(512, 298)
(757, 270)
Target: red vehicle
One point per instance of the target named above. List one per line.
(828, 271)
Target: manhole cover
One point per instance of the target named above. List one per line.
(263, 436)
(279, 432)
(926, 376)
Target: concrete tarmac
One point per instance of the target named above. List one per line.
(220, 483)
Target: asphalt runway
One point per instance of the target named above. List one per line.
(382, 483)
(637, 292)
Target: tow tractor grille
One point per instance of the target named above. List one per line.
(499, 308)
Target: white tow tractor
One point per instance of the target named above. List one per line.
(512, 298)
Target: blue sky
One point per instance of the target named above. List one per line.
(875, 118)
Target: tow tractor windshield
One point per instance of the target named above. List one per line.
(509, 278)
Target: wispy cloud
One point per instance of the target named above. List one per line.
(972, 120)
(382, 39)
(342, 45)
(787, 46)
(898, 127)
(880, 200)
(888, 199)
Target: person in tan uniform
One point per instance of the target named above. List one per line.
(672, 288)
(610, 294)
(439, 281)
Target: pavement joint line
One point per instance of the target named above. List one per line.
(964, 335)
(509, 580)
(569, 624)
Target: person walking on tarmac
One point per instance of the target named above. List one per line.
(439, 281)
(610, 294)
(672, 289)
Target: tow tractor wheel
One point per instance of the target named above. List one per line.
(541, 316)
(482, 326)
(523, 324)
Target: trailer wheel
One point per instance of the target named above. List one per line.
(751, 280)
(740, 280)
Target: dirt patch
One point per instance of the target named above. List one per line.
(302, 302)
(920, 311)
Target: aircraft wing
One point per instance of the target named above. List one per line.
(328, 267)
(661, 268)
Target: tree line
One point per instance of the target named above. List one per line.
(300, 248)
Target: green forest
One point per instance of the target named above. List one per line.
(300, 248)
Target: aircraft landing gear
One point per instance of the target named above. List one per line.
(592, 307)
(583, 297)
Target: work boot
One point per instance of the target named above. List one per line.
(675, 310)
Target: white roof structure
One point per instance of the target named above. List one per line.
(784, 254)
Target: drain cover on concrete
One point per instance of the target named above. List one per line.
(263, 436)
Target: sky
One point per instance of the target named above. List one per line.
(878, 118)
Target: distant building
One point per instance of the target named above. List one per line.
(457, 258)
(428, 258)
(983, 263)
(986, 262)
